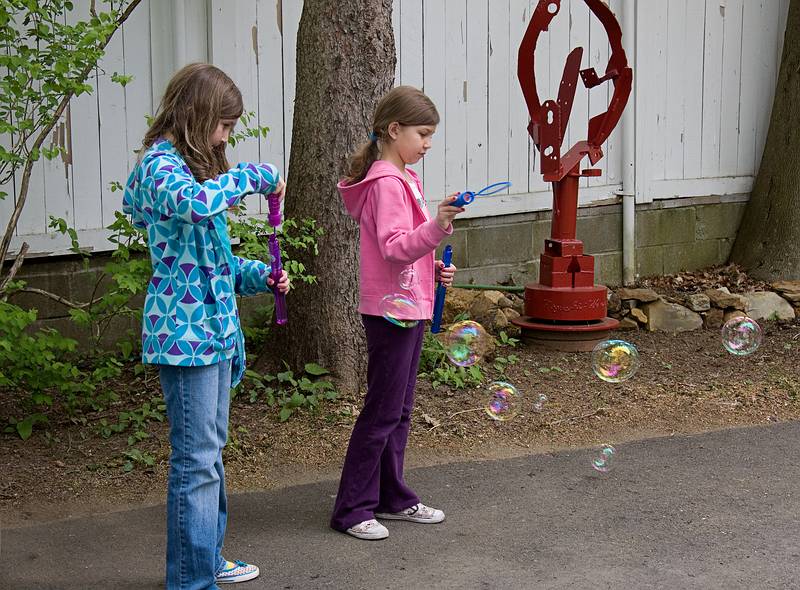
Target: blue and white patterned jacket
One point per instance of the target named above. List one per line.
(190, 316)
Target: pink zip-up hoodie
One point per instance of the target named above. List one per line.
(396, 233)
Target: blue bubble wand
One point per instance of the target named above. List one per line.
(467, 197)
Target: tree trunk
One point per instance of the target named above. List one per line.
(768, 242)
(345, 63)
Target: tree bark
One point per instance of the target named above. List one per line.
(345, 63)
(768, 241)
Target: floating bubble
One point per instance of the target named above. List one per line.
(615, 361)
(538, 405)
(604, 459)
(407, 278)
(398, 309)
(466, 343)
(503, 402)
(741, 336)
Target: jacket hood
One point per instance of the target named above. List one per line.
(355, 195)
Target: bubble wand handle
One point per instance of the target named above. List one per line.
(438, 305)
(274, 219)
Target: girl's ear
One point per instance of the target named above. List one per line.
(393, 129)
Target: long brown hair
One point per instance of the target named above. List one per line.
(406, 105)
(197, 98)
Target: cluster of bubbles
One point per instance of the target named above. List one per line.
(614, 361)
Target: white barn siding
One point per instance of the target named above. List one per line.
(704, 77)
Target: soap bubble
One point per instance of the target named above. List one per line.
(398, 309)
(615, 361)
(741, 336)
(407, 278)
(503, 401)
(604, 459)
(466, 343)
(538, 405)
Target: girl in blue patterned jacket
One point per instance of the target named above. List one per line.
(179, 193)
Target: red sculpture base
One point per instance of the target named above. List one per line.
(565, 336)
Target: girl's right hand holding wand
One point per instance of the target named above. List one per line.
(446, 212)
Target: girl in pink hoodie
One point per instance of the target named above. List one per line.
(397, 234)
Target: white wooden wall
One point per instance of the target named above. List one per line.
(704, 76)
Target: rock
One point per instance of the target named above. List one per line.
(499, 321)
(638, 315)
(510, 313)
(456, 303)
(732, 313)
(483, 304)
(628, 324)
(713, 319)
(629, 304)
(670, 317)
(643, 295)
(766, 305)
(504, 303)
(698, 302)
(723, 298)
(614, 302)
(789, 290)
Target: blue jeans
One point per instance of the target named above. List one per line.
(197, 407)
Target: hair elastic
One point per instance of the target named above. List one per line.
(373, 137)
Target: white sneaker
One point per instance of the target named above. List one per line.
(417, 513)
(370, 530)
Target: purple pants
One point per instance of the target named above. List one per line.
(372, 476)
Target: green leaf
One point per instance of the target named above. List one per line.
(315, 369)
(25, 428)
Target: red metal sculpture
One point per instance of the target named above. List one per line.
(566, 310)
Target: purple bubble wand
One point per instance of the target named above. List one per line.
(274, 202)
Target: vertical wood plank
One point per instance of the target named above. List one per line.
(731, 84)
(518, 144)
(692, 89)
(455, 174)
(84, 126)
(139, 93)
(435, 48)
(753, 42)
(501, 75)
(270, 85)
(712, 89)
(291, 12)
(477, 93)
(676, 89)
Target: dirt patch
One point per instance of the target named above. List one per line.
(687, 383)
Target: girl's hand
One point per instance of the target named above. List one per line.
(445, 274)
(283, 282)
(446, 212)
(280, 188)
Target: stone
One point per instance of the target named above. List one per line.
(499, 320)
(723, 299)
(671, 317)
(639, 315)
(712, 319)
(643, 295)
(698, 302)
(766, 305)
(732, 313)
(628, 304)
(504, 302)
(483, 303)
(628, 324)
(510, 313)
(614, 301)
(456, 303)
(789, 290)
